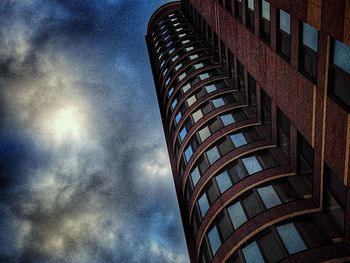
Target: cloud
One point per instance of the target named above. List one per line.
(84, 171)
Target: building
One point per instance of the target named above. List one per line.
(255, 99)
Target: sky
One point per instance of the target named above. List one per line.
(84, 170)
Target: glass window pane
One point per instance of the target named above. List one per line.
(192, 57)
(178, 66)
(183, 133)
(173, 104)
(252, 253)
(203, 204)
(214, 240)
(227, 119)
(191, 100)
(310, 37)
(251, 4)
(251, 164)
(285, 21)
(238, 139)
(291, 238)
(237, 215)
(269, 196)
(170, 92)
(204, 133)
(197, 115)
(204, 76)
(213, 155)
(266, 10)
(186, 87)
(271, 248)
(182, 76)
(341, 56)
(188, 152)
(195, 175)
(218, 102)
(175, 58)
(199, 65)
(167, 81)
(224, 182)
(178, 117)
(210, 88)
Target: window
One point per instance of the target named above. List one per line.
(250, 15)
(305, 161)
(252, 253)
(210, 88)
(308, 51)
(240, 74)
(283, 130)
(237, 214)
(238, 139)
(218, 102)
(167, 81)
(182, 76)
(183, 133)
(269, 196)
(339, 70)
(213, 155)
(214, 240)
(188, 153)
(224, 182)
(186, 87)
(197, 115)
(178, 66)
(291, 238)
(199, 65)
(171, 51)
(178, 117)
(238, 10)
(283, 34)
(191, 100)
(266, 107)
(170, 92)
(251, 164)
(335, 198)
(204, 133)
(203, 204)
(185, 42)
(204, 76)
(189, 49)
(173, 104)
(195, 175)
(227, 119)
(228, 5)
(192, 57)
(175, 58)
(265, 27)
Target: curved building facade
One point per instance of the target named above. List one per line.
(254, 98)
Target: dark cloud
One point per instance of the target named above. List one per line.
(84, 172)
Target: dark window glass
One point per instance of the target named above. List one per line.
(240, 72)
(250, 15)
(335, 198)
(228, 5)
(285, 191)
(265, 24)
(266, 107)
(340, 73)
(310, 233)
(225, 226)
(225, 146)
(308, 51)
(305, 161)
(238, 10)
(252, 205)
(212, 192)
(271, 247)
(283, 34)
(283, 125)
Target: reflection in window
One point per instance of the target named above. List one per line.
(218, 102)
(203, 204)
(265, 21)
(283, 34)
(250, 15)
(237, 214)
(238, 139)
(214, 239)
(291, 238)
(252, 253)
(269, 196)
(223, 180)
(251, 164)
(308, 51)
(227, 119)
(188, 153)
(340, 73)
(195, 175)
(213, 155)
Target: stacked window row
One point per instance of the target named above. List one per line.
(339, 66)
(252, 203)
